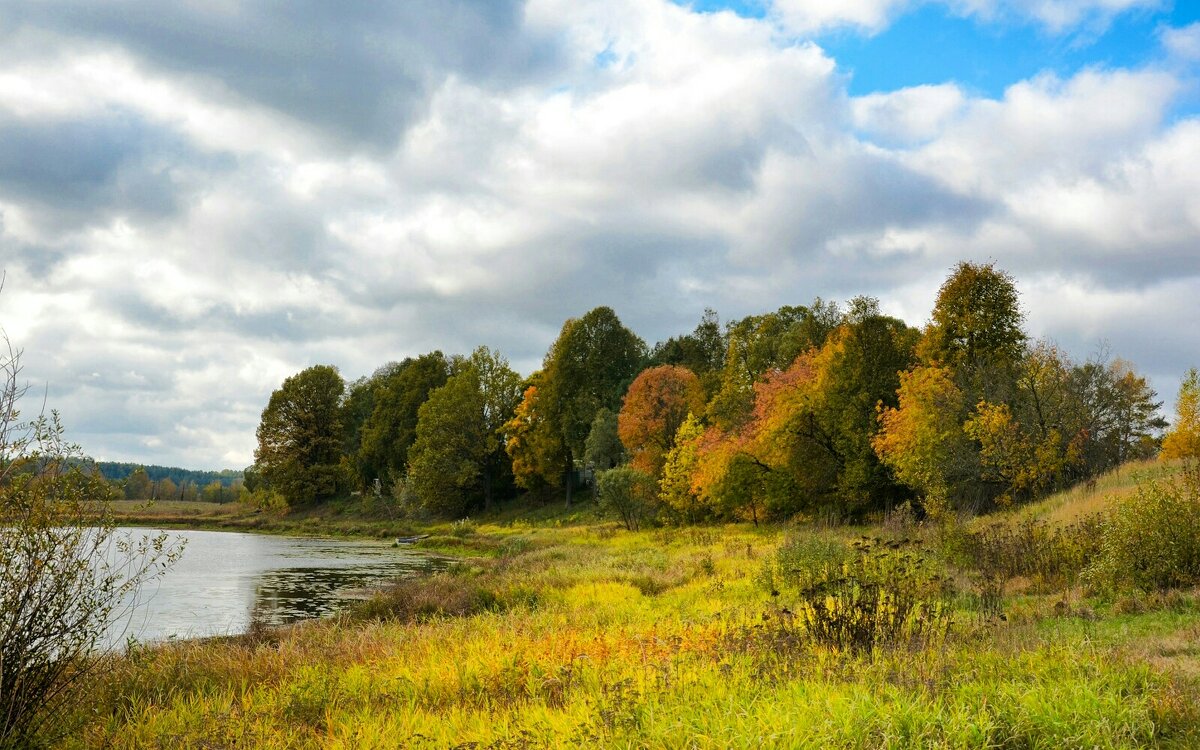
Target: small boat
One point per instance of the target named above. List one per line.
(411, 539)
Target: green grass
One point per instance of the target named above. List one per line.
(564, 630)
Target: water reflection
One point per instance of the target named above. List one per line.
(224, 577)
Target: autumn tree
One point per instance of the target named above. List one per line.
(657, 403)
(678, 486)
(855, 371)
(532, 441)
(587, 369)
(1183, 441)
(300, 436)
(166, 489)
(922, 439)
(759, 344)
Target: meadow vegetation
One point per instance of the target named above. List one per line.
(565, 629)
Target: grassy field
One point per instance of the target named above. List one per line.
(567, 631)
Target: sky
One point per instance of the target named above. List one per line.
(199, 199)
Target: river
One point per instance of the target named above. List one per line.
(223, 577)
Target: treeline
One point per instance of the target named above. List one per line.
(119, 471)
(137, 482)
(817, 409)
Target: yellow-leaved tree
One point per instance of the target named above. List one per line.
(1183, 441)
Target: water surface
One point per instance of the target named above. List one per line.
(224, 577)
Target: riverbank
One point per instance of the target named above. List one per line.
(575, 632)
(355, 518)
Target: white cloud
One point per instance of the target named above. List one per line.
(909, 115)
(1183, 43)
(812, 16)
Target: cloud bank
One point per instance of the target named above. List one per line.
(200, 199)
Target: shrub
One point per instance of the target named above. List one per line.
(629, 494)
(1050, 555)
(887, 592)
(802, 556)
(1151, 539)
(65, 573)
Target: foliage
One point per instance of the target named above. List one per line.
(676, 489)
(656, 404)
(456, 458)
(922, 440)
(300, 436)
(1120, 414)
(587, 369)
(629, 494)
(396, 395)
(532, 443)
(1151, 540)
(603, 449)
(66, 573)
(702, 351)
(888, 592)
(976, 328)
(1183, 441)
(759, 344)
(114, 470)
(138, 485)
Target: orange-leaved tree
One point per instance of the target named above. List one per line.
(656, 404)
(533, 443)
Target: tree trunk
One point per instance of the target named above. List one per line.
(569, 476)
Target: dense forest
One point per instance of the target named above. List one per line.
(822, 409)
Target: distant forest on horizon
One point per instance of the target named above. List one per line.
(121, 470)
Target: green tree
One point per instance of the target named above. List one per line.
(702, 351)
(390, 430)
(300, 436)
(857, 370)
(446, 459)
(603, 449)
(977, 330)
(138, 485)
(587, 369)
(458, 456)
(628, 494)
(357, 407)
